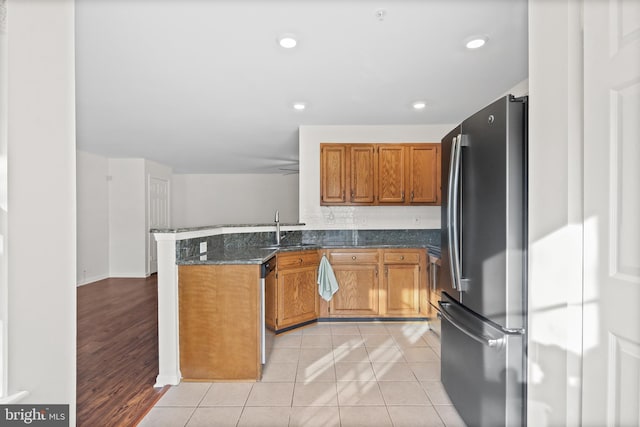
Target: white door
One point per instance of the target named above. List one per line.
(611, 339)
(158, 212)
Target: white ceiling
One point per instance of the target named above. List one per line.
(203, 87)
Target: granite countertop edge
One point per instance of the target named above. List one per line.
(249, 255)
(214, 227)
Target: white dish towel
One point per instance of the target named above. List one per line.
(327, 283)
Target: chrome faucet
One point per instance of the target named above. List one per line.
(277, 227)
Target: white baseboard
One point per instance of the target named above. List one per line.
(92, 279)
(163, 380)
(136, 275)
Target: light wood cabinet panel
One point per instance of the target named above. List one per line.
(404, 257)
(402, 288)
(297, 298)
(219, 308)
(424, 174)
(333, 174)
(358, 290)
(362, 173)
(391, 176)
(353, 257)
(404, 282)
(299, 259)
(357, 273)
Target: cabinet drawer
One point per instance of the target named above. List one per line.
(352, 257)
(408, 257)
(297, 259)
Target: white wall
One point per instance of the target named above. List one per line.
(93, 217)
(127, 218)
(209, 199)
(113, 224)
(378, 217)
(555, 213)
(41, 247)
(4, 184)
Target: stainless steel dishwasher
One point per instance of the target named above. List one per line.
(267, 273)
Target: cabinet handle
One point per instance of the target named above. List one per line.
(401, 257)
(353, 257)
(352, 195)
(403, 196)
(412, 196)
(376, 271)
(300, 260)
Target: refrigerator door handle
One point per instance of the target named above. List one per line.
(452, 212)
(496, 336)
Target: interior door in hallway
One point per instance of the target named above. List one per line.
(611, 339)
(158, 212)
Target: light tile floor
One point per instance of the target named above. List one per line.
(326, 374)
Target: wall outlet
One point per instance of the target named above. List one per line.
(203, 247)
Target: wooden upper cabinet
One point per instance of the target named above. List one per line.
(362, 173)
(391, 177)
(424, 174)
(333, 174)
(380, 174)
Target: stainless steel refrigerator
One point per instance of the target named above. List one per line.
(483, 265)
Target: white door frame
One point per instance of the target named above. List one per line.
(153, 216)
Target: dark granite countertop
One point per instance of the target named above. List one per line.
(246, 255)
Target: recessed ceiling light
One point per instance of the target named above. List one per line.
(299, 106)
(476, 42)
(419, 105)
(287, 41)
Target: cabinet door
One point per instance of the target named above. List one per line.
(391, 173)
(358, 290)
(333, 174)
(402, 285)
(297, 296)
(362, 173)
(424, 174)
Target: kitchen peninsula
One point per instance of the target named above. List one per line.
(206, 268)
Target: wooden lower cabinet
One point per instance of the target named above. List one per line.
(377, 283)
(357, 273)
(358, 293)
(292, 298)
(402, 281)
(219, 309)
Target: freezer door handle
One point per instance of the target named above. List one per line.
(480, 330)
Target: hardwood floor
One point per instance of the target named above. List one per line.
(117, 344)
